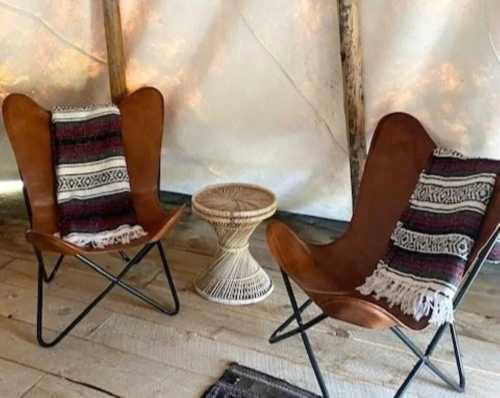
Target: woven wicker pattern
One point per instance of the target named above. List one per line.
(234, 210)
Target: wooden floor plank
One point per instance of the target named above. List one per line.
(16, 380)
(55, 387)
(344, 362)
(209, 357)
(4, 260)
(20, 303)
(124, 374)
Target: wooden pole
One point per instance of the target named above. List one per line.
(350, 47)
(114, 45)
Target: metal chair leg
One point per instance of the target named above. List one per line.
(278, 335)
(50, 277)
(115, 281)
(424, 359)
(458, 356)
(275, 337)
(47, 278)
(170, 280)
(124, 256)
(305, 339)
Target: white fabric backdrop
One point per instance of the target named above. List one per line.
(253, 87)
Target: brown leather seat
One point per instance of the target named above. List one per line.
(28, 128)
(329, 274)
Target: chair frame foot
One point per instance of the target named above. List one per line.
(424, 357)
(44, 277)
(301, 329)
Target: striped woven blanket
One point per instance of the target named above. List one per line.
(429, 248)
(93, 190)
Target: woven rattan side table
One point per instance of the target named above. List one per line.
(234, 210)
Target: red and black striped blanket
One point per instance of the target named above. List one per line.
(429, 248)
(93, 190)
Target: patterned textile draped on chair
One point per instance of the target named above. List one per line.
(93, 190)
(429, 248)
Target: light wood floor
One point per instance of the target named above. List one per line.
(125, 349)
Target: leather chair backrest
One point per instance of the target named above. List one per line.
(28, 128)
(399, 151)
(142, 130)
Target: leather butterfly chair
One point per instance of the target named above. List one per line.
(329, 274)
(28, 128)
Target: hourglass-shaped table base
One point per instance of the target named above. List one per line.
(234, 210)
(234, 277)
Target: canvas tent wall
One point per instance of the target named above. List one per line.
(254, 88)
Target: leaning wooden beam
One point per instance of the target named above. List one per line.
(350, 47)
(114, 45)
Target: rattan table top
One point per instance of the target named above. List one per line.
(234, 202)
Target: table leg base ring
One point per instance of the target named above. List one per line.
(232, 301)
(225, 282)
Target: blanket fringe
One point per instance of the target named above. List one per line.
(121, 235)
(416, 298)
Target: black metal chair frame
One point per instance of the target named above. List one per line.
(44, 277)
(424, 357)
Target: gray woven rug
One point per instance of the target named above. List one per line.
(242, 382)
